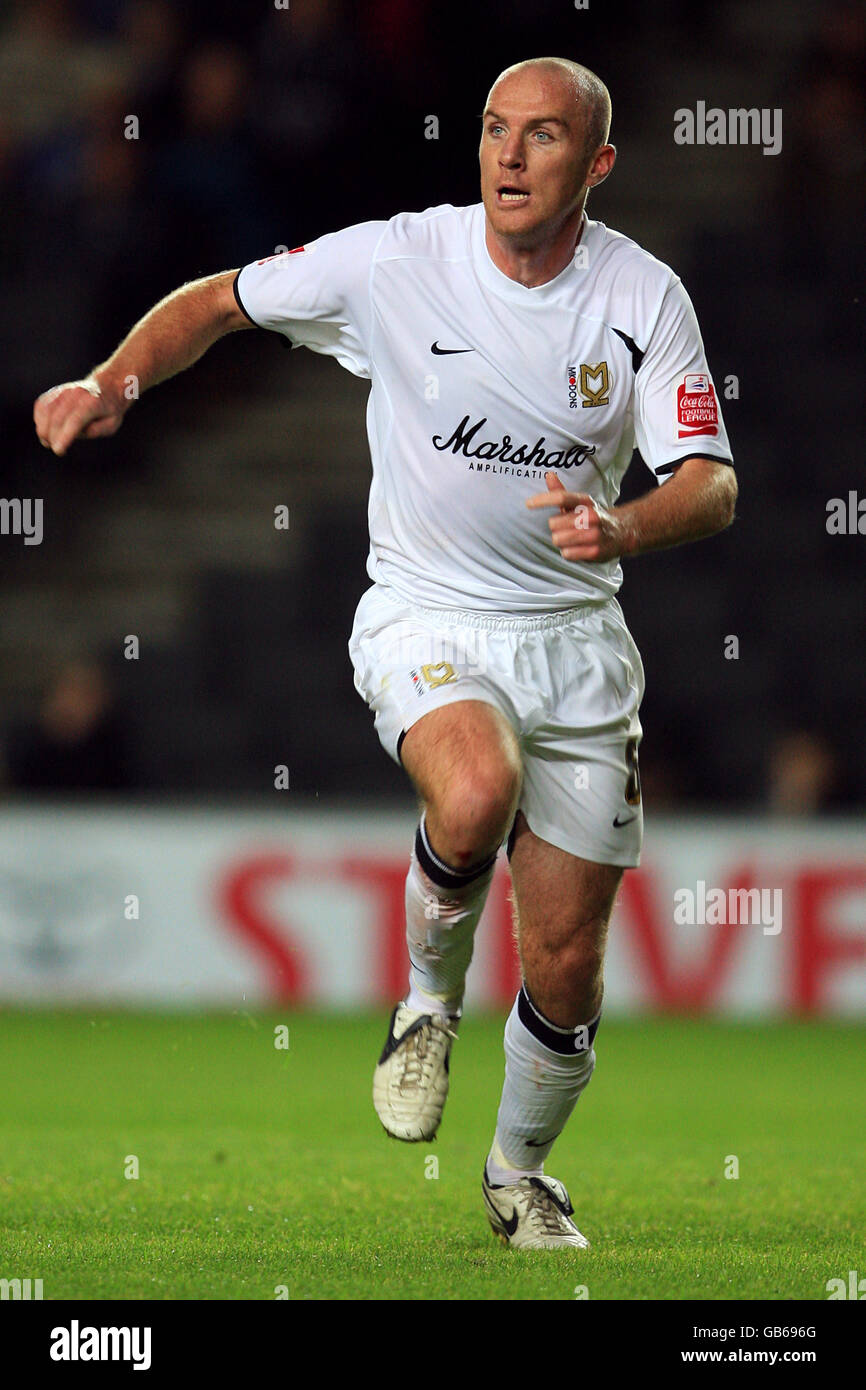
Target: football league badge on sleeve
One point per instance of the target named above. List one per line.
(697, 410)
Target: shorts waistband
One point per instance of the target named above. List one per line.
(499, 622)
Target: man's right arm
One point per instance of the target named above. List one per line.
(170, 338)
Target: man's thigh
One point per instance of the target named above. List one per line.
(582, 794)
(465, 743)
(410, 664)
(581, 785)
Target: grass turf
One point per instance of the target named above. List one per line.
(262, 1168)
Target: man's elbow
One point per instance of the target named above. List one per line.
(729, 495)
(720, 493)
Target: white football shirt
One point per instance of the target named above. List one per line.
(480, 385)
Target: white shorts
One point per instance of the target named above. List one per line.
(569, 683)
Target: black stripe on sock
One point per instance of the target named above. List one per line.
(567, 1042)
(442, 874)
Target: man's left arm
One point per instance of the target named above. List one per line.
(698, 500)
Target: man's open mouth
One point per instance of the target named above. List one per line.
(509, 194)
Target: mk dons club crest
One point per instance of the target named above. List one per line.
(432, 675)
(592, 383)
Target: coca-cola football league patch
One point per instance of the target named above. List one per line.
(697, 409)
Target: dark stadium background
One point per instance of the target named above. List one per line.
(260, 129)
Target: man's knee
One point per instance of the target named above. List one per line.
(579, 956)
(465, 762)
(474, 812)
(572, 940)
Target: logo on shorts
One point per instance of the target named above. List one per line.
(697, 410)
(432, 675)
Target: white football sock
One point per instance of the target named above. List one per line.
(546, 1069)
(443, 906)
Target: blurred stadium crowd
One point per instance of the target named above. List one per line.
(256, 127)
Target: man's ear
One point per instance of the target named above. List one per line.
(602, 163)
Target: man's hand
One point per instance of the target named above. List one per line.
(697, 501)
(584, 530)
(77, 410)
(173, 335)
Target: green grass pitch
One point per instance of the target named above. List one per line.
(263, 1169)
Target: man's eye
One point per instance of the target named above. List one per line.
(492, 130)
(544, 135)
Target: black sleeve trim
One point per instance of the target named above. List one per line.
(240, 302)
(636, 355)
(671, 467)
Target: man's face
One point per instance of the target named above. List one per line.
(533, 156)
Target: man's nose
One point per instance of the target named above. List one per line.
(511, 154)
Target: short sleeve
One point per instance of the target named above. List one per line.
(677, 412)
(318, 295)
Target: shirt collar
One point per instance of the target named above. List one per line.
(502, 284)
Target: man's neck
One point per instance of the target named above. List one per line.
(530, 265)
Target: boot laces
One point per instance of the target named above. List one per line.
(422, 1050)
(544, 1215)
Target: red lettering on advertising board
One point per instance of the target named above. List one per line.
(391, 960)
(506, 962)
(814, 947)
(690, 988)
(820, 948)
(240, 898)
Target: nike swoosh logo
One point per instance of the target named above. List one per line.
(620, 823)
(393, 1042)
(447, 352)
(540, 1143)
(510, 1225)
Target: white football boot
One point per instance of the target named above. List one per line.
(532, 1214)
(410, 1083)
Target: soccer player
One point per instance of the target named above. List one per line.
(517, 352)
